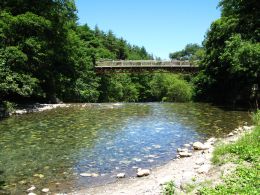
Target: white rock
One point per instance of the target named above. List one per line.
(85, 174)
(31, 188)
(211, 140)
(31, 193)
(94, 175)
(230, 134)
(200, 146)
(185, 154)
(186, 145)
(143, 172)
(45, 190)
(120, 175)
(248, 128)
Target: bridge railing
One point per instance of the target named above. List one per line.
(142, 63)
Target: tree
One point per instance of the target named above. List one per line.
(231, 64)
(190, 52)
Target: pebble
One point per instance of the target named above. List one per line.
(45, 190)
(31, 193)
(185, 154)
(31, 188)
(120, 175)
(85, 174)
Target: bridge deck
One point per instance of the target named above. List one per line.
(145, 65)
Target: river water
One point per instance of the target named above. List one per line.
(52, 148)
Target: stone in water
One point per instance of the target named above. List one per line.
(120, 175)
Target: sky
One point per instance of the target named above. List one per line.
(161, 26)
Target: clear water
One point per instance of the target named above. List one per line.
(50, 149)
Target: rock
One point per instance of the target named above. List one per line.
(204, 169)
(186, 145)
(143, 172)
(185, 154)
(248, 128)
(31, 188)
(211, 140)
(230, 134)
(85, 174)
(45, 190)
(200, 146)
(94, 175)
(182, 150)
(120, 175)
(39, 175)
(31, 193)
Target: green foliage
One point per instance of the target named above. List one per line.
(44, 54)
(190, 52)
(231, 64)
(169, 87)
(169, 188)
(246, 149)
(13, 80)
(8, 106)
(245, 179)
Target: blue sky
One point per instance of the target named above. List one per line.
(161, 26)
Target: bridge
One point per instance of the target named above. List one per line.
(121, 66)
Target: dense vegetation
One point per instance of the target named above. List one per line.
(192, 52)
(46, 56)
(231, 66)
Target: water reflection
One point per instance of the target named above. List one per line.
(52, 148)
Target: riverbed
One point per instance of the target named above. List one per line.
(53, 148)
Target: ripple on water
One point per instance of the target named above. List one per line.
(51, 149)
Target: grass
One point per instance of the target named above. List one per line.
(169, 188)
(246, 153)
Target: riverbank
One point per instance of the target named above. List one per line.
(186, 174)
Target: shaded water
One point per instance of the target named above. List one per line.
(50, 149)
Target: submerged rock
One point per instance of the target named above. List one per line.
(182, 150)
(45, 190)
(31, 188)
(31, 193)
(94, 175)
(186, 145)
(85, 174)
(120, 175)
(143, 172)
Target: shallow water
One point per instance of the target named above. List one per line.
(50, 149)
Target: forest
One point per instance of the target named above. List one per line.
(46, 56)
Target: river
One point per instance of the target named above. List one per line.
(52, 148)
